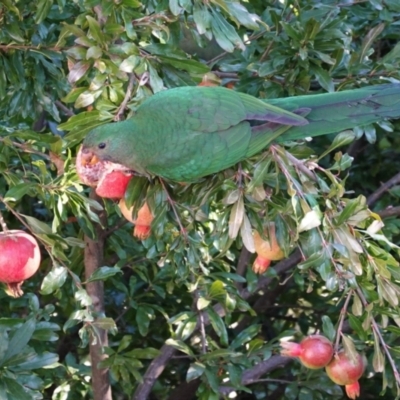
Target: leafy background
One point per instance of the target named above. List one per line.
(184, 316)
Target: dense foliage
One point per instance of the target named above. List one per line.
(185, 315)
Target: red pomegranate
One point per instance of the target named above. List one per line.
(315, 351)
(267, 249)
(109, 179)
(343, 370)
(112, 185)
(353, 390)
(143, 221)
(19, 259)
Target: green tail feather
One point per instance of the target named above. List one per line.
(335, 112)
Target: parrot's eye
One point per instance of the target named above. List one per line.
(102, 145)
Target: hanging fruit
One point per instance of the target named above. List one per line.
(345, 370)
(267, 249)
(19, 259)
(143, 221)
(314, 352)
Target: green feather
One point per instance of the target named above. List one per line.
(190, 132)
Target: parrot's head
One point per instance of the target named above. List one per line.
(98, 155)
(101, 144)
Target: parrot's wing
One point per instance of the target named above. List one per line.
(194, 130)
(212, 109)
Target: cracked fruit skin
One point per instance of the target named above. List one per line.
(267, 249)
(314, 352)
(343, 370)
(19, 259)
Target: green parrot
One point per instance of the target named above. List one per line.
(186, 133)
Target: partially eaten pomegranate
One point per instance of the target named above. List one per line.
(109, 179)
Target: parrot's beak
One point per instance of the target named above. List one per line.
(87, 158)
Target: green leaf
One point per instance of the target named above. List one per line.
(348, 211)
(218, 326)
(78, 71)
(392, 55)
(148, 353)
(202, 303)
(179, 345)
(39, 361)
(130, 63)
(378, 360)
(202, 18)
(311, 220)
(195, 371)
(239, 12)
(349, 348)
(191, 66)
(342, 139)
(15, 390)
(247, 234)
(217, 290)
(42, 10)
(224, 33)
(19, 340)
(369, 39)
(144, 314)
(95, 30)
(54, 279)
(328, 328)
(245, 336)
(103, 273)
(37, 226)
(108, 324)
(81, 296)
(16, 192)
(324, 79)
(236, 218)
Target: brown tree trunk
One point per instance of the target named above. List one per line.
(93, 260)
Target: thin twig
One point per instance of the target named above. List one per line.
(64, 108)
(343, 313)
(3, 223)
(127, 97)
(351, 4)
(203, 333)
(242, 264)
(375, 327)
(267, 50)
(384, 188)
(24, 147)
(172, 203)
(300, 165)
(389, 212)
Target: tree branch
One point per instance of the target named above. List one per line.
(389, 212)
(64, 108)
(159, 363)
(153, 372)
(127, 97)
(374, 197)
(252, 375)
(93, 260)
